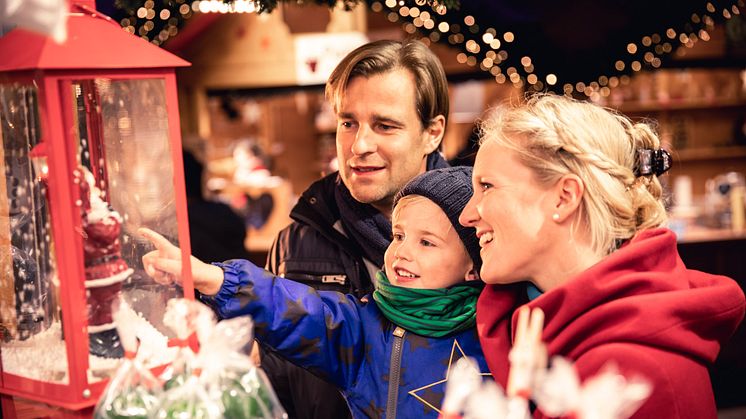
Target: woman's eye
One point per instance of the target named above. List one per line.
(398, 236)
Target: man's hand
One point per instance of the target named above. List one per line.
(164, 265)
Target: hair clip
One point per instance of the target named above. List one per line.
(652, 162)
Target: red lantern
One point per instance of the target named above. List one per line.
(91, 152)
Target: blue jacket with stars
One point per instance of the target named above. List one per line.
(346, 342)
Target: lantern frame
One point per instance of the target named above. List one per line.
(96, 48)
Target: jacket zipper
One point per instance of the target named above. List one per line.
(394, 372)
(325, 279)
(337, 279)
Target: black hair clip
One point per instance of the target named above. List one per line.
(652, 162)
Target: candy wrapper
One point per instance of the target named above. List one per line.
(606, 395)
(133, 391)
(468, 397)
(181, 317)
(220, 380)
(186, 394)
(231, 376)
(189, 400)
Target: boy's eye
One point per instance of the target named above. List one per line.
(398, 236)
(426, 243)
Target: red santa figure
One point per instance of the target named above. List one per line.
(105, 270)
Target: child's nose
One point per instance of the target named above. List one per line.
(403, 251)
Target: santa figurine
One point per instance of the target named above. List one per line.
(105, 270)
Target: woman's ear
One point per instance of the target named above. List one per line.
(568, 196)
(472, 275)
(434, 133)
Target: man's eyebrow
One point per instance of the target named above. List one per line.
(376, 118)
(387, 119)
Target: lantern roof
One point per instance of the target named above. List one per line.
(94, 41)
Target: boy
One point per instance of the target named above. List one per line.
(389, 356)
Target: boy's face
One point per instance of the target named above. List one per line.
(426, 251)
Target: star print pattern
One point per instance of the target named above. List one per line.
(346, 342)
(246, 295)
(294, 311)
(373, 411)
(431, 395)
(332, 327)
(308, 347)
(417, 342)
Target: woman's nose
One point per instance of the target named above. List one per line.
(469, 215)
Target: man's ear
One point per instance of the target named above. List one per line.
(434, 132)
(472, 275)
(568, 194)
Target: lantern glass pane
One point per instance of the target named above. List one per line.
(31, 340)
(123, 148)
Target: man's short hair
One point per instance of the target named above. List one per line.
(383, 56)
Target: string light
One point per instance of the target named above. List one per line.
(489, 49)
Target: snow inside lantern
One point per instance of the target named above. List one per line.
(91, 152)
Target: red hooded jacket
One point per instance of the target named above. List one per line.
(639, 307)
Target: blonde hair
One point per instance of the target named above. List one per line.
(555, 136)
(403, 202)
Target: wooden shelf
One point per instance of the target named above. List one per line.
(679, 104)
(698, 234)
(710, 153)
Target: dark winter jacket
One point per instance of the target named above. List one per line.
(312, 251)
(347, 342)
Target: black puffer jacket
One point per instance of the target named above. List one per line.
(312, 251)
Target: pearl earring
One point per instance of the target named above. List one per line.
(555, 217)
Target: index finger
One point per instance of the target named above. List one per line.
(160, 242)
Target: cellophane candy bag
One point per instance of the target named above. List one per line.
(181, 317)
(133, 390)
(232, 377)
(186, 394)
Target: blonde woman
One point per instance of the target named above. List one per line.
(567, 197)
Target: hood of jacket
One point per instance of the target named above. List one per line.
(642, 293)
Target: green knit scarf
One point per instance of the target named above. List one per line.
(429, 312)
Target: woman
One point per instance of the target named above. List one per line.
(567, 197)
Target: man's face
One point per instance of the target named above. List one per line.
(381, 143)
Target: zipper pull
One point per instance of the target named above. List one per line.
(335, 279)
(399, 332)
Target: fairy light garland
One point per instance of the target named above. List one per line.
(157, 22)
(490, 49)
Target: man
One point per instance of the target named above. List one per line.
(391, 101)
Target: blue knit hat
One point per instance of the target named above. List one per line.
(451, 189)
